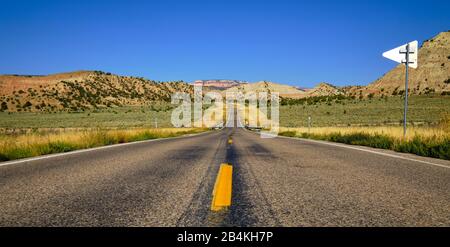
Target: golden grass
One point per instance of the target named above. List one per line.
(424, 141)
(44, 142)
(395, 132)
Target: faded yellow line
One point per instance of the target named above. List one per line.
(222, 188)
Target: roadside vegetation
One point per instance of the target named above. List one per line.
(372, 121)
(40, 142)
(423, 141)
(350, 111)
(120, 117)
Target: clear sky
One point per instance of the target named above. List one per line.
(294, 42)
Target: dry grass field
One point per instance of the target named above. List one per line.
(388, 111)
(371, 122)
(40, 142)
(395, 132)
(425, 141)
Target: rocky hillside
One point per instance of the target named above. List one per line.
(323, 89)
(81, 90)
(431, 77)
(218, 84)
(263, 86)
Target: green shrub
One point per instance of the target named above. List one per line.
(427, 147)
(17, 153)
(3, 157)
(4, 106)
(288, 133)
(27, 104)
(61, 147)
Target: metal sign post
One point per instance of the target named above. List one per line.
(406, 54)
(406, 89)
(309, 124)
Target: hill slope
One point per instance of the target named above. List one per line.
(218, 84)
(81, 90)
(323, 89)
(263, 86)
(95, 89)
(431, 76)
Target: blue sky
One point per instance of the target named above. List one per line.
(294, 42)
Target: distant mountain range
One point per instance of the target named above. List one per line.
(264, 86)
(218, 83)
(81, 90)
(431, 77)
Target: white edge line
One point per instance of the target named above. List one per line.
(48, 156)
(362, 149)
(365, 150)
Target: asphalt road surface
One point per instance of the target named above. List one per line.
(276, 182)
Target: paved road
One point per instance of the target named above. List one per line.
(276, 182)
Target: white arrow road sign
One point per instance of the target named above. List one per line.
(399, 54)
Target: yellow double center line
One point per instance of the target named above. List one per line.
(222, 188)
